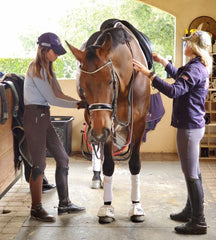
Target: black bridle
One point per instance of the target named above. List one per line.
(102, 106)
(112, 107)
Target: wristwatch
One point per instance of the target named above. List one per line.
(151, 74)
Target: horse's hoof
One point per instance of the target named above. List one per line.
(96, 184)
(106, 214)
(104, 220)
(136, 213)
(136, 218)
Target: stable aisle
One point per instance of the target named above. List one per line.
(163, 191)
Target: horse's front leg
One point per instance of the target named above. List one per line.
(136, 212)
(106, 212)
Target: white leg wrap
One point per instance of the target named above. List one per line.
(96, 159)
(135, 187)
(107, 185)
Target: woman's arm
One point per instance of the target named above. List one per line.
(58, 92)
(158, 58)
(47, 94)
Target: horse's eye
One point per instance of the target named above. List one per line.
(110, 82)
(81, 91)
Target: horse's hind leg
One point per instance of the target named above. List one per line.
(136, 212)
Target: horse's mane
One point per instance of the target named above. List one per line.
(119, 36)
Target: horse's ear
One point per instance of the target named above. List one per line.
(106, 46)
(78, 54)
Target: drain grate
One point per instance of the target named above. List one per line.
(5, 211)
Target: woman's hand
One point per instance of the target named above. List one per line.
(81, 104)
(158, 58)
(141, 68)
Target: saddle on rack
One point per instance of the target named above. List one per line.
(4, 111)
(9, 172)
(16, 83)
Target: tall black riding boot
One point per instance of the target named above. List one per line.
(46, 185)
(65, 205)
(197, 224)
(184, 215)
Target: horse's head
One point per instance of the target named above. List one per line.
(96, 85)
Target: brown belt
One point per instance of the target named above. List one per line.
(42, 107)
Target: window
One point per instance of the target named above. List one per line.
(74, 21)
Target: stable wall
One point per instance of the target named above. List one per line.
(185, 11)
(162, 139)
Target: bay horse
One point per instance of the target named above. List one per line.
(117, 97)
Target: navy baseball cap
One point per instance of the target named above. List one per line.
(51, 40)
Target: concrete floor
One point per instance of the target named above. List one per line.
(163, 191)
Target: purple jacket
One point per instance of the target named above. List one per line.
(189, 93)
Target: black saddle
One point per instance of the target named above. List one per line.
(143, 40)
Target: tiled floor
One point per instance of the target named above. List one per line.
(15, 205)
(208, 169)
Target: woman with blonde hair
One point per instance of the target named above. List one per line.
(189, 93)
(41, 89)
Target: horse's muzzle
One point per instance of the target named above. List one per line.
(94, 137)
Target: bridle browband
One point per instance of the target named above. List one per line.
(98, 69)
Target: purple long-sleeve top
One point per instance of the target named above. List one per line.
(189, 93)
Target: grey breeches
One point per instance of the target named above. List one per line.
(188, 141)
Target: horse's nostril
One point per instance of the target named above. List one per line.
(106, 132)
